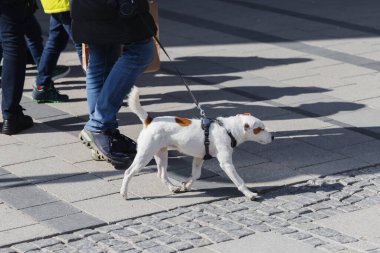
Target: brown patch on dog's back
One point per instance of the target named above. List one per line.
(147, 121)
(182, 121)
(245, 114)
(257, 130)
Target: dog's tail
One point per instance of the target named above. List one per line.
(135, 105)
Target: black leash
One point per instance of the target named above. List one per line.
(203, 115)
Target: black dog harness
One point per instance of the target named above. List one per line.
(206, 123)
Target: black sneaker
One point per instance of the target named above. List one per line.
(48, 95)
(60, 72)
(16, 124)
(124, 144)
(103, 148)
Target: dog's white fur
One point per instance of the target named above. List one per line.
(164, 133)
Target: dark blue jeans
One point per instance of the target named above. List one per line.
(59, 34)
(12, 24)
(33, 37)
(110, 77)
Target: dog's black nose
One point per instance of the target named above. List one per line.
(272, 137)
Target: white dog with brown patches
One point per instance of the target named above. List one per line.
(187, 136)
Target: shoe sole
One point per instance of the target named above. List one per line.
(97, 155)
(54, 78)
(86, 140)
(8, 131)
(48, 101)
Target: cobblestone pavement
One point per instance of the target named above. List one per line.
(289, 211)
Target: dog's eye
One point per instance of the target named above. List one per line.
(257, 130)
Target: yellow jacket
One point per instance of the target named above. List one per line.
(55, 6)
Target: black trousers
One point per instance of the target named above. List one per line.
(13, 17)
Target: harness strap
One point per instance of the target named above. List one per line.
(206, 123)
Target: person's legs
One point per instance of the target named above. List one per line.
(55, 44)
(44, 91)
(101, 60)
(65, 19)
(105, 97)
(119, 82)
(12, 26)
(33, 36)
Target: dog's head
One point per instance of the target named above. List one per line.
(254, 129)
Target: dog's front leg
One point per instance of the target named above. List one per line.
(195, 173)
(225, 161)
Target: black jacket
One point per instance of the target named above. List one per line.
(100, 22)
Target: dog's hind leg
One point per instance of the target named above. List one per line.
(162, 164)
(195, 173)
(140, 161)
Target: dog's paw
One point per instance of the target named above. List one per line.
(251, 196)
(124, 195)
(176, 189)
(186, 186)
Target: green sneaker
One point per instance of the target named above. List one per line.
(48, 95)
(60, 72)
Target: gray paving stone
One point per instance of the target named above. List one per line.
(26, 196)
(332, 247)
(10, 154)
(82, 244)
(286, 216)
(66, 238)
(269, 210)
(285, 230)
(108, 228)
(160, 249)
(180, 246)
(124, 233)
(50, 211)
(127, 223)
(165, 240)
(25, 247)
(147, 244)
(86, 232)
(139, 229)
(348, 208)
(314, 241)
(300, 156)
(299, 235)
(73, 222)
(57, 248)
(239, 233)
(200, 242)
(187, 236)
(7, 250)
(120, 248)
(153, 234)
(326, 232)
(136, 238)
(260, 228)
(161, 225)
(343, 239)
(43, 243)
(98, 237)
(79, 187)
